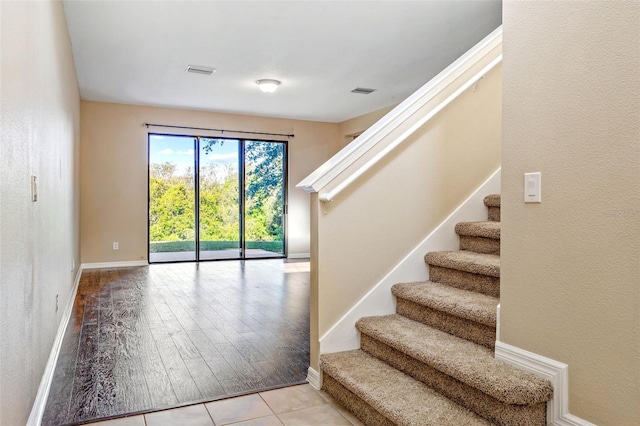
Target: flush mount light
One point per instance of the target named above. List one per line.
(268, 85)
(197, 69)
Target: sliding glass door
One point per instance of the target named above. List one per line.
(172, 222)
(264, 196)
(219, 207)
(216, 198)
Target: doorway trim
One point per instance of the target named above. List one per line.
(242, 190)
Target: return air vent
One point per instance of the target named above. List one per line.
(363, 90)
(200, 70)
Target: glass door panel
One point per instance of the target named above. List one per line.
(171, 198)
(264, 210)
(216, 198)
(219, 193)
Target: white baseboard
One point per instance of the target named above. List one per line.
(556, 372)
(343, 336)
(299, 256)
(123, 264)
(314, 378)
(571, 420)
(37, 410)
(498, 322)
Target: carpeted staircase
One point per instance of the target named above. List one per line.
(432, 363)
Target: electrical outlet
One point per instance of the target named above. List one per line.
(73, 264)
(116, 246)
(56, 303)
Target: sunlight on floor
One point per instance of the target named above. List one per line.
(296, 267)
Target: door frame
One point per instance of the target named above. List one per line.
(242, 184)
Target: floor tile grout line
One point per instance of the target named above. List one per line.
(209, 413)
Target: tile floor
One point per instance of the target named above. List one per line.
(292, 406)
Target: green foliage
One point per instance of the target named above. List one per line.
(180, 246)
(171, 210)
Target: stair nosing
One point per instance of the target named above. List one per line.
(466, 261)
(479, 229)
(492, 200)
(403, 382)
(510, 391)
(489, 318)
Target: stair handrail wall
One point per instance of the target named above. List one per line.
(376, 136)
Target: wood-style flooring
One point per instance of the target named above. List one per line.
(166, 335)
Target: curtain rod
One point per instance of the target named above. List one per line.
(218, 130)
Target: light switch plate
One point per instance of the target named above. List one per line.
(533, 187)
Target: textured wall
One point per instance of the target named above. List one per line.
(39, 241)
(114, 171)
(571, 265)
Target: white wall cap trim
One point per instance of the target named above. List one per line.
(329, 196)
(374, 134)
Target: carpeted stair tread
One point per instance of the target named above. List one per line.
(466, 261)
(485, 229)
(397, 396)
(465, 361)
(493, 206)
(461, 303)
(492, 200)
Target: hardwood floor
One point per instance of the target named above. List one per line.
(166, 335)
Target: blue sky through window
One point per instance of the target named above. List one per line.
(179, 151)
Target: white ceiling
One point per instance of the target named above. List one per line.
(136, 52)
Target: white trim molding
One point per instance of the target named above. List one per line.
(547, 368)
(314, 378)
(37, 410)
(343, 336)
(329, 196)
(498, 322)
(375, 134)
(123, 264)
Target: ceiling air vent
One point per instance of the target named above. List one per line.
(200, 70)
(363, 90)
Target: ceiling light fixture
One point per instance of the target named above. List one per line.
(200, 69)
(268, 85)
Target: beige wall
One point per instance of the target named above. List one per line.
(39, 242)
(378, 220)
(114, 171)
(570, 268)
(357, 125)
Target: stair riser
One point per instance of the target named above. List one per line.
(494, 214)
(356, 405)
(461, 327)
(480, 245)
(471, 398)
(465, 280)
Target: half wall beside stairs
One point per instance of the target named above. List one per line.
(373, 224)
